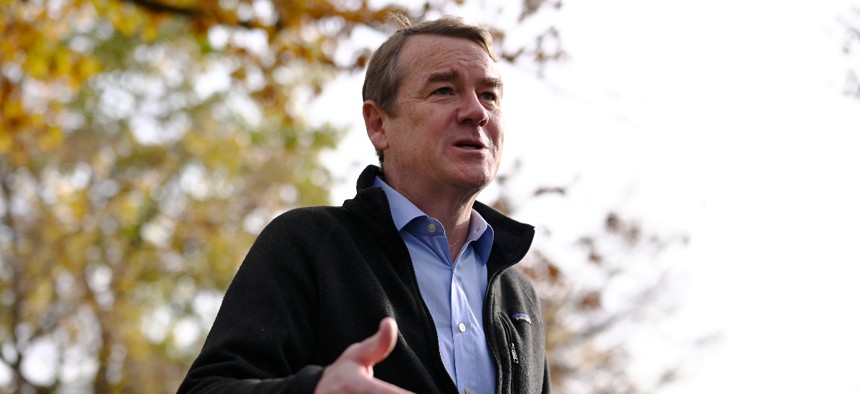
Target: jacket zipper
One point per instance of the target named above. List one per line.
(513, 347)
(515, 360)
(509, 346)
(488, 329)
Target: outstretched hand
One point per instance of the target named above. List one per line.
(352, 372)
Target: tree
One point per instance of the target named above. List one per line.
(143, 144)
(130, 187)
(588, 338)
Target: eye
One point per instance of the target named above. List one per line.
(446, 91)
(490, 96)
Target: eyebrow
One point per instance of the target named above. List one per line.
(445, 76)
(454, 75)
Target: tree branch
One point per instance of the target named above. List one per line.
(156, 6)
(191, 12)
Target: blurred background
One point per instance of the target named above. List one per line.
(692, 168)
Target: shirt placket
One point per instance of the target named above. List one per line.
(465, 334)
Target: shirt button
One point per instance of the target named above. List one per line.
(431, 228)
(461, 327)
(468, 390)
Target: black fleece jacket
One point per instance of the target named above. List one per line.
(318, 279)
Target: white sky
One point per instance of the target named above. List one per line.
(724, 119)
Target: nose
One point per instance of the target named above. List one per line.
(472, 111)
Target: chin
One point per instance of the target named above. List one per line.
(477, 182)
(474, 177)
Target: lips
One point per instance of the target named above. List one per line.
(469, 144)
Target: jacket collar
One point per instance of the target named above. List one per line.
(512, 238)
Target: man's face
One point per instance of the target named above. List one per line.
(447, 133)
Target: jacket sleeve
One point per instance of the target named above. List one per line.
(263, 337)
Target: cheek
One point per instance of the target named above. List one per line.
(411, 115)
(498, 126)
(498, 134)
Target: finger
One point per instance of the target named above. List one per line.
(377, 347)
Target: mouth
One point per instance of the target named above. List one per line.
(471, 145)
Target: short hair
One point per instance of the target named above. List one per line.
(385, 74)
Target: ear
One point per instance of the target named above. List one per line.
(374, 122)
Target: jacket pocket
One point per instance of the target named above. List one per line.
(513, 353)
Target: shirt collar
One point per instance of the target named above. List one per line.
(404, 211)
(482, 233)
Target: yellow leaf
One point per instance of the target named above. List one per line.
(51, 139)
(13, 109)
(63, 62)
(150, 28)
(79, 205)
(87, 67)
(84, 68)
(5, 140)
(37, 65)
(124, 18)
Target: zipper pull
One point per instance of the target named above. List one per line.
(514, 354)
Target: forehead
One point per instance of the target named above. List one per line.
(423, 55)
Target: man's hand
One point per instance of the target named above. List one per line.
(352, 372)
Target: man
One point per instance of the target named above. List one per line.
(412, 257)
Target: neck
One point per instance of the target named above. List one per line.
(450, 207)
(454, 215)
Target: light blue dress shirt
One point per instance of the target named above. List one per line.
(453, 291)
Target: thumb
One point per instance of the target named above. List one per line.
(376, 348)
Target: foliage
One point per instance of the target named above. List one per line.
(143, 144)
(131, 186)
